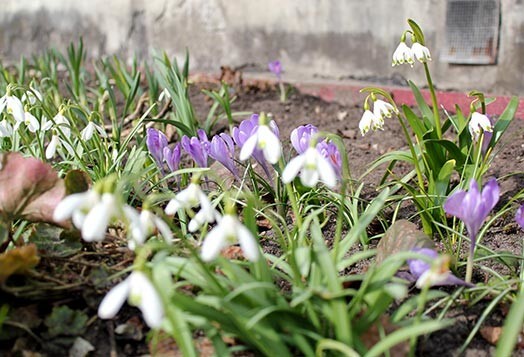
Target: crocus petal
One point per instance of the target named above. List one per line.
(519, 216)
(453, 204)
(491, 194)
(114, 300)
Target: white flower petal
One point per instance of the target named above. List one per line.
(248, 147)
(292, 168)
(114, 300)
(150, 302)
(309, 177)
(98, 218)
(326, 172)
(88, 131)
(67, 206)
(214, 242)
(247, 243)
(51, 148)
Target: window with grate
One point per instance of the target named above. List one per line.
(472, 31)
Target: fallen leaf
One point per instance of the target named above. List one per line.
(491, 334)
(29, 188)
(400, 237)
(373, 336)
(17, 261)
(66, 321)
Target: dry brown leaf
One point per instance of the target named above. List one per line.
(491, 334)
(372, 336)
(18, 261)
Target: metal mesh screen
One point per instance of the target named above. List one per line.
(472, 28)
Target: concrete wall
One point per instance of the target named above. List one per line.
(332, 38)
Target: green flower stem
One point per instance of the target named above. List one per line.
(469, 264)
(282, 92)
(434, 102)
(294, 204)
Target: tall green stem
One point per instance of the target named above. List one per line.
(436, 117)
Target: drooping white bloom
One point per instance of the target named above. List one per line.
(479, 123)
(312, 167)
(403, 54)
(31, 122)
(188, 198)
(420, 52)
(76, 207)
(6, 129)
(265, 140)
(144, 224)
(139, 292)
(14, 107)
(229, 231)
(63, 123)
(31, 96)
(89, 130)
(370, 121)
(164, 95)
(383, 109)
(50, 151)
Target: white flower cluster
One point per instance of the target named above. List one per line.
(404, 54)
(375, 119)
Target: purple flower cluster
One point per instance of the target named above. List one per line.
(221, 147)
(276, 68)
(301, 137)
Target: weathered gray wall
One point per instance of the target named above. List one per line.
(323, 37)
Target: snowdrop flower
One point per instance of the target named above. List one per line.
(156, 141)
(164, 95)
(76, 207)
(6, 129)
(420, 52)
(144, 224)
(55, 144)
(31, 96)
(479, 123)
(264, 139)
(139, 292)
(90, 129)
(229, 231)
(370, 121)
(188, 198)
(435, 274)
(403, 54)
(313, 167)
(63, 124)
(383, 109)
(31, 122)
(13, 105)
(330, 151)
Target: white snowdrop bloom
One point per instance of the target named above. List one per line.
(14, 106)
(76, 207)
(403, 54)
(188, 198)
(312, 167)
(31, 122)
(90, 129)
(479, 123)
(383, 109)
(31, 96)
(6, 129)
(420, 52)
(50, 151)
(164, 95)
(370, 121)
(139, 292)
(97, 220)
(63, 123)
(144, 224)
(265, 140)
(229, 231)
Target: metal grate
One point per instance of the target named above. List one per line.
(472, 31)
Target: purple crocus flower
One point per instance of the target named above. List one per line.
(437, 274)
(244, 131)
(473, 207)
(330, 151)
(197, 147)
(519, 216)
(301, 136)
(222, 149)
(276, 68)
(156, 142)
(172, 157)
